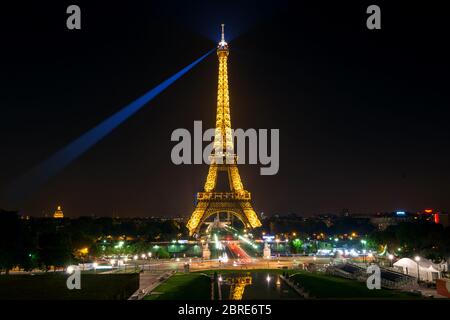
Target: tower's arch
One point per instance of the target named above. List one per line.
(236, 213)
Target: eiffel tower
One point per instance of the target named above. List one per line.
(238, 200)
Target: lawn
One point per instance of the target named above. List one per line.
(325, 286)
(52, 286)
(183, 286)
(197, 285)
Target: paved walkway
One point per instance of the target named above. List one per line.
(428, 292)
(149, 280)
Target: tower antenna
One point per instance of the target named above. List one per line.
(223, 32)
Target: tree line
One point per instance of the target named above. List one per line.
(47, 243)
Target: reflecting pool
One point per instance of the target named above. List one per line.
(255, 285)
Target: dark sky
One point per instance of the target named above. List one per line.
(363, 115)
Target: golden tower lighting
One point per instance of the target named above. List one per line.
(58, 214)
(238, 200)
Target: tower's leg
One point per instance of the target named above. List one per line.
(196, 218)
(235, 179)
(211, 179)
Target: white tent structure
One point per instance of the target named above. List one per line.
(428, 271)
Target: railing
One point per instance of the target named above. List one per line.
(242, 195)
(361, 276)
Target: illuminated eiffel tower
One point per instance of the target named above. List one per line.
(238, 200)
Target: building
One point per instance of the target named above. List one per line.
(383, 220)
(436, 217)
(443, 218)
(58, 214)
(427, 270)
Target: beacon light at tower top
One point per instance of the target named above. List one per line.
(223, 43)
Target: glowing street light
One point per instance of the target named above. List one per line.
(417, 258)
(135, 258)
(143, 256)
(391, 257)
(268, 278)
(70, 269)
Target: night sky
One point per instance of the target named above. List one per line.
(363, 114)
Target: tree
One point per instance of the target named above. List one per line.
(10, 242)
(297, 243)
(54, 249)
(427, 239)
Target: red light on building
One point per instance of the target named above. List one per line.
(436, 218)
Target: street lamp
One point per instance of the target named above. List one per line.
(417, 258)
(135, 257)
(391, 257)
(364, 243)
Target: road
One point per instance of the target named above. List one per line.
(238, 253)
(197, 264)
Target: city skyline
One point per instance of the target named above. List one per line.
(225, 158)
(368, 137)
